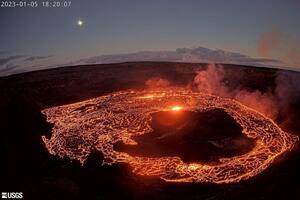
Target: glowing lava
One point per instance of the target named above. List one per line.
(100, 122)
(176, 108)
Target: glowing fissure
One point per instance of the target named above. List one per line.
(100, 122)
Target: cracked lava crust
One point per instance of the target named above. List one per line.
(122, 117)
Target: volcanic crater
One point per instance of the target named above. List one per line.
(191, 135)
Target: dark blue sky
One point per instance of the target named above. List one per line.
(112, 26)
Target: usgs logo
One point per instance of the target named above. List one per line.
(12, 195)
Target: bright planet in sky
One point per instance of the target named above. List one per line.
(79, 22)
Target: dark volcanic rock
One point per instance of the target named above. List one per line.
(26, 165)
(193, 136)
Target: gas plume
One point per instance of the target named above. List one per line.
(279, 45)
(269, 103)
(157, 82)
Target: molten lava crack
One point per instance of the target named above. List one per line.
(100, 122)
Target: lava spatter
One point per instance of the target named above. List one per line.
(101, 122)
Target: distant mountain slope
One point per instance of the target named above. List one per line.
(194, 55)
(15, 64)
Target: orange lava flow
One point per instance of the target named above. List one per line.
(100, 122)
(176, 108)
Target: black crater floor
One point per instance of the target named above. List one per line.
(192, 136)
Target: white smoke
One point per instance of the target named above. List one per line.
(269, 103)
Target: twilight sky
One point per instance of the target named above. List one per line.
(259, 29)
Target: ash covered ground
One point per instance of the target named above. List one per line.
(28, 167)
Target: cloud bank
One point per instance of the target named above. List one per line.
(19, 63)
(34, 58)
(8, 59)
(199, 54)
